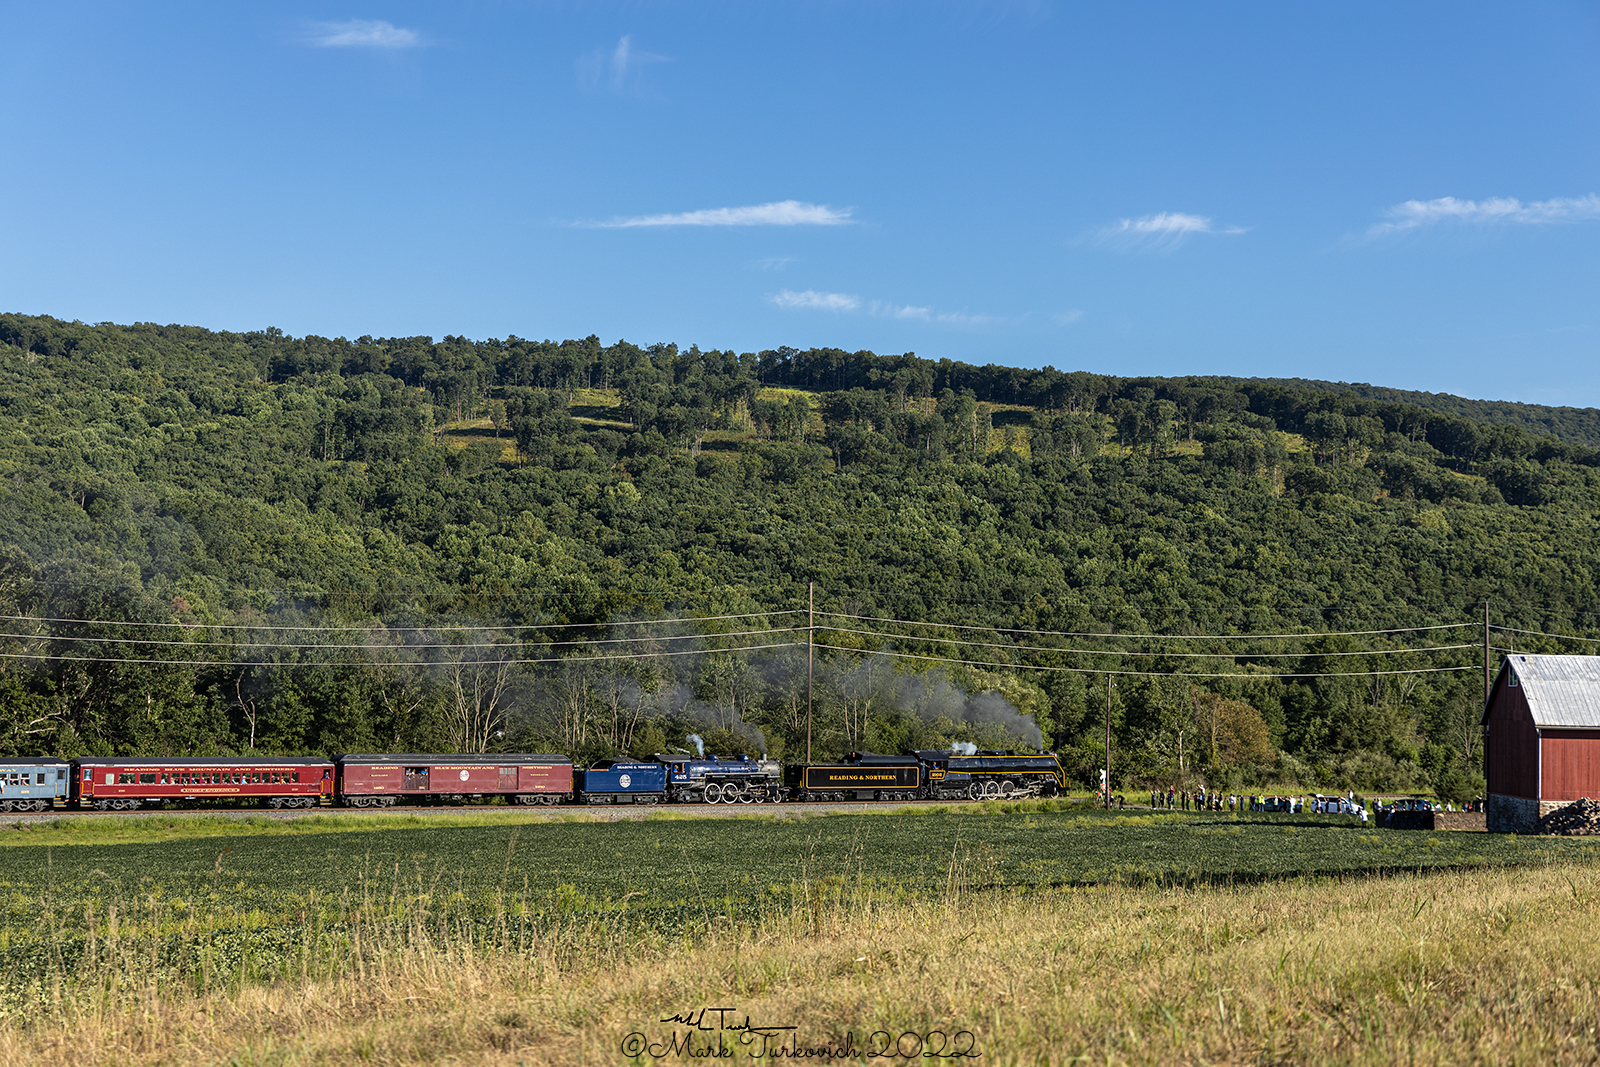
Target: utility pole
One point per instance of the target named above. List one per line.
(1108, 741)
(1488, 676)
(811, 637)
(1488, 689)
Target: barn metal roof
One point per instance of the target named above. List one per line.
(1562, 691)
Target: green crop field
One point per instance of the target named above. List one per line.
(252, 903)
(193, 904)
(667, 866)
(676, 870)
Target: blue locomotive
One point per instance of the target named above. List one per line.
(713, 780)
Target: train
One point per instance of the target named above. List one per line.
(381, 780)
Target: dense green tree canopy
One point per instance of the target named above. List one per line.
(409, 543)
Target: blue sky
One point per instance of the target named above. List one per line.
(1407, 194)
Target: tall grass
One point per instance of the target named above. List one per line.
(1464, 966)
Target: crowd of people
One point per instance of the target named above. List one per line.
(1200, 799)
(1203, 799)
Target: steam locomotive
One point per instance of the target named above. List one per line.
(365, 780)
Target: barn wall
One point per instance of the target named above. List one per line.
(1518, 815)
(1511, 815)
(1511, 752)
(1571, 764)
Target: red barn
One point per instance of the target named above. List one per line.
(1541, 737)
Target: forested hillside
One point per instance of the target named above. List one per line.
(217, 541)
(1577, 425)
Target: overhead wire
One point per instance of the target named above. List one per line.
(537, 660)
(369, 645)
(1149, 637)
(1159, 674)
(1118, 652)
(509, 661)
(774, 631)
(446, 628)
(1541, 633)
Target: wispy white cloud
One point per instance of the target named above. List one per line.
(961, 318)
(1416, 213)
(812, 299)
(1067, 318)
(773, 262)
(928, 314)
(361, 33)
(815, 300)
(615, 69)
(778, 213)
(901, 311)
(1162, 232)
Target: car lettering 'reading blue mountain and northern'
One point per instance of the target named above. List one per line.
(366, 780)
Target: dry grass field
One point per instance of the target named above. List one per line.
(1485, 966)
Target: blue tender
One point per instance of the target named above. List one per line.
(34, 784)
(615, 781)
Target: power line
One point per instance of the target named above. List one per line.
(402, 629)
(1173, 655)
(375, 647)
(45, 656)
(1541, 633)
(1150, 637)
(1155, 674)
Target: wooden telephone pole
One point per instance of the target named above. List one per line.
(1488, 673)
(811, 636)
(1108, 741)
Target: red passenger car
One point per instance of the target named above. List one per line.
(124, 784)
(369, 780)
